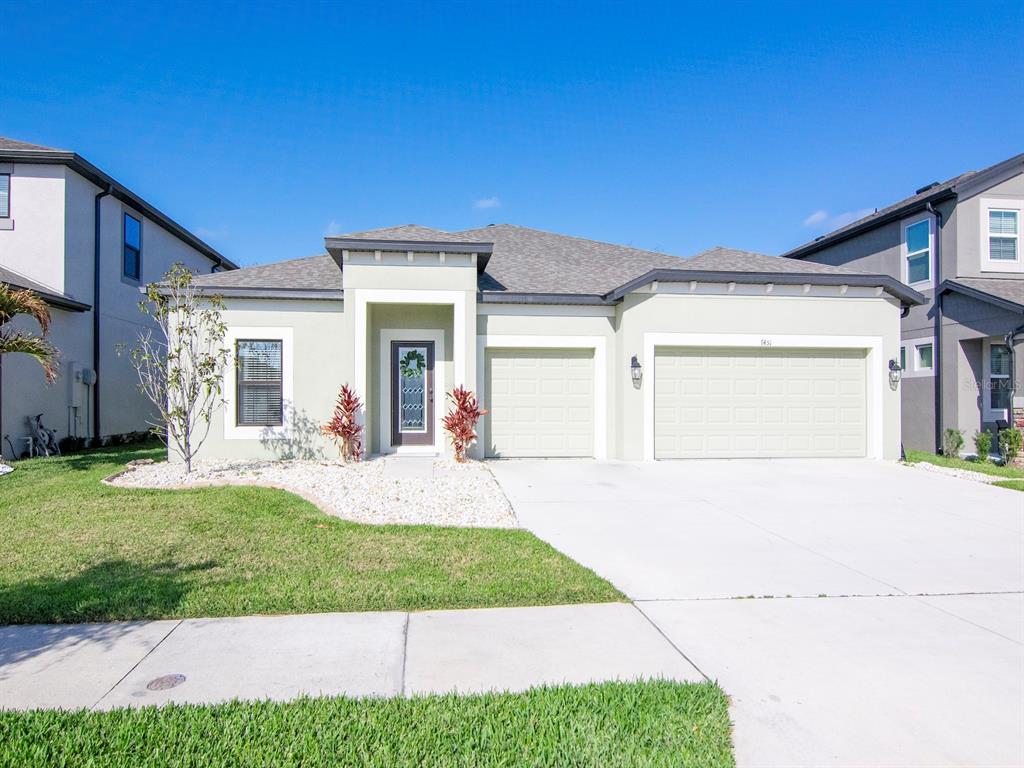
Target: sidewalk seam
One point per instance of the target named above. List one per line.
(405, 651)
(668, 640)
(136, 664)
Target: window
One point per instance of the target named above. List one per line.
(5, 195)
(903, 358)
(923, 357)
(998, 381)
(131, 263)
(1001, 235)
(259, 397)
(917, 243)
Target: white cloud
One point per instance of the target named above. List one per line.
(333, 228)
(815, 218)
(212, 233)
(825, 221)
(488, 202)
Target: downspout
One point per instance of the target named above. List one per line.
(96, 311)
(937, 300)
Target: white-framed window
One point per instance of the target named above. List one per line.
(5, 195)
(258, 383)
(1002, 229)
(918, 251)
(996, 395)
(917, 357)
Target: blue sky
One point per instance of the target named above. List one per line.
(262, 128)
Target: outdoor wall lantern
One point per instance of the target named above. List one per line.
(636, 371)
(895, 373)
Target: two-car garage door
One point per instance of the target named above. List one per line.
(759, 402)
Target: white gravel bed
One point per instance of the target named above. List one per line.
(964, 474)
(464, 495)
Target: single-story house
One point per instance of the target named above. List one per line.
(575, 347)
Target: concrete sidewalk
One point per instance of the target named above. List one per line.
(128, 664)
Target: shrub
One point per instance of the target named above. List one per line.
(1010, 440)
(460, 421)
(952, 442)
(983, 444)
(344, 427)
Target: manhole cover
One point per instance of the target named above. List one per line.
(165, 682)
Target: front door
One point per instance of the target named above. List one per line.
(412, 393)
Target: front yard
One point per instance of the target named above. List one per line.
(76, 550)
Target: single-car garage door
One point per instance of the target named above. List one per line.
(725, 403)
(540, 402)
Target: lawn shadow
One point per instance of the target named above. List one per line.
(113, 590)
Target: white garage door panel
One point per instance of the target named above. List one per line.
(541, 402)
(721, 403)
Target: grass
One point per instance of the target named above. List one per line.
(75, 550)
(612, 724)
(1016, 485)
(985, 468)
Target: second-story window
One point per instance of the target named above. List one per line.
(1003, 228)
(5, 195)
(131, 260)
(918, 241)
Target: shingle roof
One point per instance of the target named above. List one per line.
(532, 261)
(312, 273)
(1006, 289)
(524, 261)
(907, 204)
(6, 143)
(732, 260)
(16, 280)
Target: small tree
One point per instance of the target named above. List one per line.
(181, 366)
(952, 442)
(344, 427)
(460, 421)
(15, 302)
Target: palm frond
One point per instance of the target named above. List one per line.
(42, 350)
(18, 302)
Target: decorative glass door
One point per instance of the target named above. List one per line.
(412, 393)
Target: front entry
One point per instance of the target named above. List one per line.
(412, 393)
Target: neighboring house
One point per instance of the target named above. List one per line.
(86, 244)
(960, 244)
(576, 347)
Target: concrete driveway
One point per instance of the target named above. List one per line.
(858, 612)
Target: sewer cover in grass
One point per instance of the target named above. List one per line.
(165, 682)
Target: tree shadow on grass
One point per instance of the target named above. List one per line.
(113, 590)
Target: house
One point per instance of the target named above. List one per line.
(86, 244)
(576, 347)
(958, 243)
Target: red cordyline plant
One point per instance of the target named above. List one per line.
(344, 428)
(460, 422)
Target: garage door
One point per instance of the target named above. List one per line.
(759, 403)
(541, 402)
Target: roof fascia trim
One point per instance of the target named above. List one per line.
(975, 293)
(502, 297)
(236, 292)
(89, 171)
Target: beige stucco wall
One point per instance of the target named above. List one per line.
(319, 368)
(764, 316)
(323, 356)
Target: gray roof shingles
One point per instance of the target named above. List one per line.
(524, 260)
(14, 144)
(1007, 289)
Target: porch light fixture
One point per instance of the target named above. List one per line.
(895, 373)
(636, 371)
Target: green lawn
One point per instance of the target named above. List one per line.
(986, 468)
(75, 550)
(614, 724)
(1016, 485)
